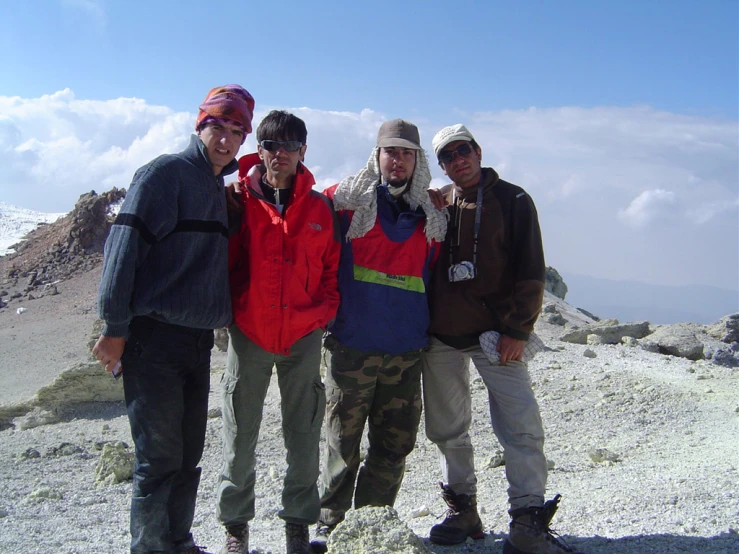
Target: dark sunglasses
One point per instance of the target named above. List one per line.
(447, 156)
(275, 145)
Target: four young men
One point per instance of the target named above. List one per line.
(286, 285)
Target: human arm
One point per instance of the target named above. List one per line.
(233, 202)
(527, 262)
(148, 213)
(108, 351)
(437, 199)
(330, 275)
(510, 349)
(440, 198)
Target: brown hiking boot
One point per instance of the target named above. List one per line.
(461, 521)
(530, 532)
(297, 538)
(237, 540)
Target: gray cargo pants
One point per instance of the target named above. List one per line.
(303, 401)
(514, 413)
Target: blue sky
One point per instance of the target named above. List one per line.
(619, 118)
(424, 56)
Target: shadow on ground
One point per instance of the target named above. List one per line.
(725, 543)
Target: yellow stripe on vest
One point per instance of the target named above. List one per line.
(405, 282)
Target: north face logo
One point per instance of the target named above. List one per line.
(315, 226)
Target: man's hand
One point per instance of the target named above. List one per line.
(233, 202)
(510, 349)
(108, 351)
(437, 198)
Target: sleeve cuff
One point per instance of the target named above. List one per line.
(516, 334)
(115, 330)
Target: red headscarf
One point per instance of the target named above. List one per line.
(230, 103)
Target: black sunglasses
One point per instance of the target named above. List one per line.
(447, 156)
(275, 145)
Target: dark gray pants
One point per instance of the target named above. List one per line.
(166, 379)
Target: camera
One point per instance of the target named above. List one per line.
(463, 271)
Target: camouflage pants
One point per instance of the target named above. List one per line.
(385, 392)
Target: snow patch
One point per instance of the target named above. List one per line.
(16, 223)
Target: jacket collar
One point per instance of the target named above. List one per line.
(388, 206)
(198, 155)
(302, 184)
(489, 177)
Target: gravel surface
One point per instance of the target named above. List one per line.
(669, 425)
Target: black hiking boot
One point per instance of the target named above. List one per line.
(318, 544)
(297, 538)
(461, 521)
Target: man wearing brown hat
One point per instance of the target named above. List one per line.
(490, 278)
(164, 289)
(391, 233)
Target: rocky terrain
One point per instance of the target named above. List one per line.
(642, 428)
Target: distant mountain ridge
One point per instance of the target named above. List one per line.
(658, 304)
(605, 298)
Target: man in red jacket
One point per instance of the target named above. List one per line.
(283, 267)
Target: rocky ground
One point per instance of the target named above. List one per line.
(643, 445)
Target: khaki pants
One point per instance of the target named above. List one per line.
(303, 401)
(513, 411)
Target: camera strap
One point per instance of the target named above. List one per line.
(458, 225)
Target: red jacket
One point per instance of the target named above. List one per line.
(284, 268)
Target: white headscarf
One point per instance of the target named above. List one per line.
(358, 193)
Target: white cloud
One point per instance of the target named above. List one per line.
(595, 174)
(647, 207)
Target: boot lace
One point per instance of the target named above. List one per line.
(235, 539)
(543, 518)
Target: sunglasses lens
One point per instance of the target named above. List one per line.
(464, 150)
(275, 145)
(448, 156)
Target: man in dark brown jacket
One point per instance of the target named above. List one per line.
(490, 277)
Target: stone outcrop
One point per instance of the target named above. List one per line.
(56, 251)
(551, 314)
(725, 357)
(726, 329)
(115, 464)
(374, 529)
(609, 331)
(679, 339)
(554, 283)
(82, 382)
